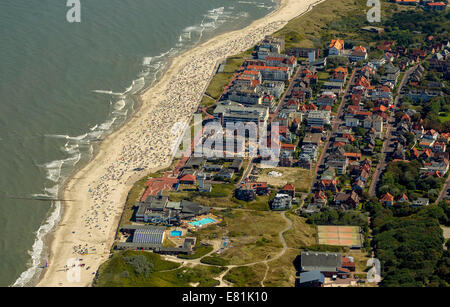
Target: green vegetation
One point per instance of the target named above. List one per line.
(409, 245)
(220, 80)
(326, 248)
(401, 177)
(207, 102)
(435, 113)
(243, 276)
(200, 251)
(308, 29)
(300, 178)
(133, 197)
(214, 260)
(221, 195)
(144, 269)
(329, 216)
(401, 25)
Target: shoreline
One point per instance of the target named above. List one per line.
(150, 99)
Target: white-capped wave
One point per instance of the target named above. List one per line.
(95, 134)
(146, 61)
(38, 246)
(74, 159)
(67, 137)
(121, 113)
(70, 149)
(119, 105)
(107, 125)
(53, 170)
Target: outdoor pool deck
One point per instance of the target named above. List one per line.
(176, 233)
(203, 221)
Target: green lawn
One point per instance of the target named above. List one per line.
(245, 276)
(444, 117)
(220, 80)
(200, 251)
(207, 101)
(323, 76)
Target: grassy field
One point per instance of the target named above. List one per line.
(133, 197)
(253, 235)
(444, 117)
(282, 271)
(207, 101)
(145, 269)
(301, 234)
(220, 80)
(331, 19)
(300, 178)
(200, 251)
(221, 195)
(307, 30)
(246, 276)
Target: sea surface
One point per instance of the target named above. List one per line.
(65, 86)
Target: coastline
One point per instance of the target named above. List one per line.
(61, 239)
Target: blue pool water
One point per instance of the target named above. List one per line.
(203, 221)
(175, 233)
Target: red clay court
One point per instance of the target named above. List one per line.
(349, 236)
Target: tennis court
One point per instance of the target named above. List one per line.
(349, 236)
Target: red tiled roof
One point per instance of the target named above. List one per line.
(387, 197)
(287, 146)
(288, 187)
(188, 177)
(337, 43)
(353, 154)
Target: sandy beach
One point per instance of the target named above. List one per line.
(97, 193)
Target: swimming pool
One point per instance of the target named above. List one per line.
(175, 233)
(203, 221)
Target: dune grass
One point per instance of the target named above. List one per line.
(122, 271)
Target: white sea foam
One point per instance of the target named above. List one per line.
(38, 246)
(107, 125)
(67, 137)
(71, 149)
(147, 61)
(121, 113)
(74, 159)
(53, 170)
(95, 134)
(119, 105)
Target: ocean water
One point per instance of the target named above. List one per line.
(65, 86)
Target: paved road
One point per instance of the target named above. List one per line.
(389, 138)
(444, 192)
(334, 127)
